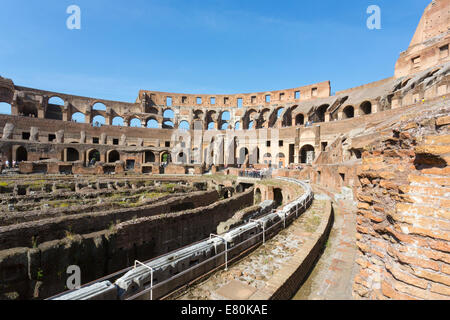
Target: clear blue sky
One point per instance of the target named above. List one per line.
(200, 46)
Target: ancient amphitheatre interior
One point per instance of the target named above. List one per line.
(270, 195)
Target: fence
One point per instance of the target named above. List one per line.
(260, 238)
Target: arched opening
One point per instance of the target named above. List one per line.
(28, 110)
(78, 117)
(113, 156)
(184, 125)
(182, 158)
(237, 125)
(149, 157)
(168, 114)
(168, 125)
(320, 113)
(135, 123)
(165, 157)
(281, 159)
(349, 112)
(152, 124)
(267, 158)
(225, 118)
(299, 120)
(255, 156)
(243, 153)
(275, 116)
(72, 155)
(5, 108)
(168, 119)
(54, 108)
(93, 157)
(21, 154)
(98, 121)
(251, 124)
(278, 196)
(366, 107)
(99, 106)
(211, 125)
(307, 154)
(117, 121)
(258, 196)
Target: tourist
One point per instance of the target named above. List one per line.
(7, 164)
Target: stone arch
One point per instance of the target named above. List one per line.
(93, 154)
(263, 118)
(287, 117)
(184, 125)
(113, 156)
(21, 154)
(117, 121)
(243, 153)
(307, 154)
(28, 110)
(276, 114)
(300, 119)
(278, 196)
(99, 106)
(152, 123)
(249, 118)
(149, 157)
(320, 113)
(135, 123)
(365, 108)
(348, 112)
(55, 108)
(78, 117)
(237, 125)
(257, 196)
(255, 156)
(166, 157)
(72, 155)
(98, 121)
(225, 117)
(280, 160)
(267, 158)
(168, 114)
(167, 124)
(182, 158)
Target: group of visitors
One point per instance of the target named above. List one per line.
(309, 123)
(8, 165)
(255, 174)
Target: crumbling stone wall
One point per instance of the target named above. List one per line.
(403, 221)
(40, 271)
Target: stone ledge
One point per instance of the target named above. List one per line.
(284, 284)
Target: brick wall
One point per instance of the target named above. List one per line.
(403, 220)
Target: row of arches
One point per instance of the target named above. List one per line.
(212, 120)
(349, 111)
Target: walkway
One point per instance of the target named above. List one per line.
(332, 277)
(248, 278)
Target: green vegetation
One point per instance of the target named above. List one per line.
(33, 242)
(40, 274)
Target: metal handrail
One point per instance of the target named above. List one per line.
(306, 200)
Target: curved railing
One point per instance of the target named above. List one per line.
(160, 276)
